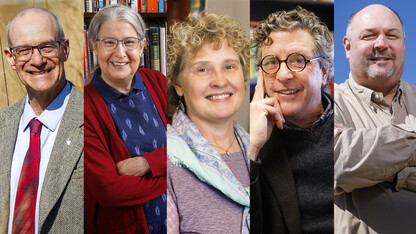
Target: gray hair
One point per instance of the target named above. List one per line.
(61, 34)
(115, 13)
(299, 18)
(348, 31)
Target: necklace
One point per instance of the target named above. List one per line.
(225, 150)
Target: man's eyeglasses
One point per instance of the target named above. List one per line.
(129, 43)
(47, 49)
(294, 62)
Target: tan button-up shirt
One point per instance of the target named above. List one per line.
(375, 160)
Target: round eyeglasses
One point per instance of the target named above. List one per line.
(129, 43)
(47, 49)
(294, 62)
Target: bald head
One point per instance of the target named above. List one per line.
(32, 14)
(371, 10)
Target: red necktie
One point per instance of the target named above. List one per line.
(25, 205)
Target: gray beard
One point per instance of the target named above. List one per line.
(380, 75)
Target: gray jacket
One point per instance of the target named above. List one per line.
(62, 199)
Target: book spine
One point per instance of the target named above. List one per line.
(144, 6)
(162, 46)
(152, 6)
(86, 68)
(154, 48)
(161, 6)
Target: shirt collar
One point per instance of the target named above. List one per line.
(52, 115)
(367, 95)
(109, 94)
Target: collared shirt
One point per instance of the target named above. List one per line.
(142, 131)
(375, 159)
(51, 119)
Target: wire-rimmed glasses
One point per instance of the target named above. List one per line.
(110, 43)
(294, 62)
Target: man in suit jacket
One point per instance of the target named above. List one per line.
(37, 50)
(291, 126)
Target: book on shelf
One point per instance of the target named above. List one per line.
(162, 46)
(154, 32)
(143, 6)
(152, 6)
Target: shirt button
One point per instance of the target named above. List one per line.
(377, 96)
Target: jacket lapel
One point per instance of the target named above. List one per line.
(69, 144)
(276, 169)
(9, 124)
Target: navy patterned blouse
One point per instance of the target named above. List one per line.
(141, 129)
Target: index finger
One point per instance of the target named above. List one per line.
(259, 90)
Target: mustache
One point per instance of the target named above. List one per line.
(381, 54)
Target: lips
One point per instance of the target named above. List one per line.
(219, 96)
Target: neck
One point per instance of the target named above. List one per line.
(219, 133)
(308, 119)
(39, 100)
(122, 86)
(388, 87)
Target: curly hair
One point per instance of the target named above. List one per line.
(190, 35)
(299, 18)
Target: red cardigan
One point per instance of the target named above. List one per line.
(113, 203)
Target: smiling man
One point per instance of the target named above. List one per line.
(375, 129)
(41, 153)
(291, 126)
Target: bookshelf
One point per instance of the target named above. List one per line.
(152, 20)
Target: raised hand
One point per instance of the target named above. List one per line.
(265, 112)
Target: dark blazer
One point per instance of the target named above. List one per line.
(274, 200)
(61, 204)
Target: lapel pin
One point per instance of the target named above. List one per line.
(68, 141)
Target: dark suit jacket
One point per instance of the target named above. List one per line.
(61, 203)
(274, 200)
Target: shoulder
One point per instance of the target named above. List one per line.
(340, 89)
(12, 112)
(151, 75)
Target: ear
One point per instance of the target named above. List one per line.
(179, 90)
(142, 45)
(324, 76)
(66, 49)
(10, 58)
(347, 47)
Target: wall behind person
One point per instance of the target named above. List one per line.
(70, 12)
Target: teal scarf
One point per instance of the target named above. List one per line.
(188, 148)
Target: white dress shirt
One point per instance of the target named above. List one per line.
(51, 119)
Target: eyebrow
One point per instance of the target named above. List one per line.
(203, 62)
(374, 29)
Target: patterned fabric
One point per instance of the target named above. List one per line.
(142, 131)
(25, 206)
(188, 148)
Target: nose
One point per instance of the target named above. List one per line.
(37, 59)
(284, 74)
(120, 51)
(380, 43)
(218, 79)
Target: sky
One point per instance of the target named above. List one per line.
(343, 10)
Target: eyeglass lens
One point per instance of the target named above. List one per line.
(295, 62)
(47, 50)
(129, 43)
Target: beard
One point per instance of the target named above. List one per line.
(380, 71)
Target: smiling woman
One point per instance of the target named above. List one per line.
(125, 130)
(208, 179)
